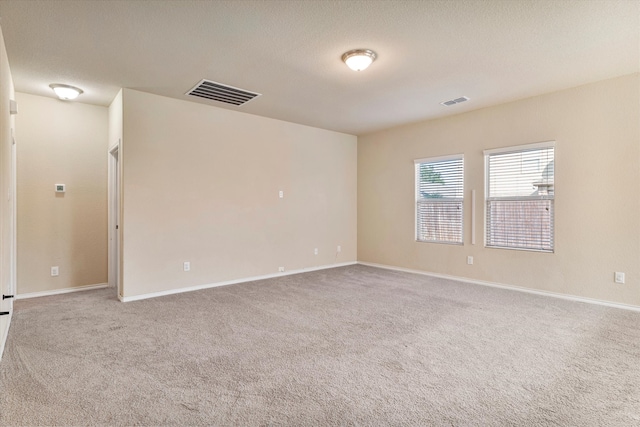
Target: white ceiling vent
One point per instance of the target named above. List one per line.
(455, 101)
(222, 93)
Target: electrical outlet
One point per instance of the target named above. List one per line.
(187, 266)
(281, 194)
(281, 269)
(618, 277)
(339, 248)
(470, 260)
(315, 251)
(55, 271)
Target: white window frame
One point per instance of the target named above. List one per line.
(418, 162)
(514, 149)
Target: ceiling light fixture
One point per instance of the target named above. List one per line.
(66, 92)
(359, 59)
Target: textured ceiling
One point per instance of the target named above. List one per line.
(289, 51)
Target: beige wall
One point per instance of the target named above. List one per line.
(61, 142)
(597, 132)
(115, 120)
(201, 184)
(7, 170)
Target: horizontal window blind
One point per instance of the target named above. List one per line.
(521, 224)
(520, 199)
(439, 196)
(439, 221)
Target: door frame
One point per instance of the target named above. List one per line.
(14, 216)
(114, 260)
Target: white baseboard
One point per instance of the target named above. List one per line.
(229, 282)
(61, 291)
(510, 287)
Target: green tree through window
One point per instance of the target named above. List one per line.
(429, 176)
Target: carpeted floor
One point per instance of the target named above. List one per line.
(348, 346)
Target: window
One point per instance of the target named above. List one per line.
(439, 195)
(520, 197)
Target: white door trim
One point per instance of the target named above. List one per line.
(14, 215)
(114, 217)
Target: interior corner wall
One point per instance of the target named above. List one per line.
(7, 183)
(597, 193)
(61, 143)
(201, 184)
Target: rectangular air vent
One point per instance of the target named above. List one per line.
(222, 93)
(455, 101)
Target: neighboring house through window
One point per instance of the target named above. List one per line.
(439, 198)
(520, 197)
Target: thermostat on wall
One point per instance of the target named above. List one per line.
(59, 188)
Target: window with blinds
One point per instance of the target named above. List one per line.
(439, 196)
(520, 197)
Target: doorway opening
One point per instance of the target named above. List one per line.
(114, 219)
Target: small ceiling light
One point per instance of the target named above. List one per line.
(359, 59)
(66, 92)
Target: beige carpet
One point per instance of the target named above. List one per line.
(349, 346)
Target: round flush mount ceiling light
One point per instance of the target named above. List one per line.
(359, 59)
(66, 92)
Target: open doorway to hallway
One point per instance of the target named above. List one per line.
(114, 218)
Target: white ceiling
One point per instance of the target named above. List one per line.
(289, 51)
